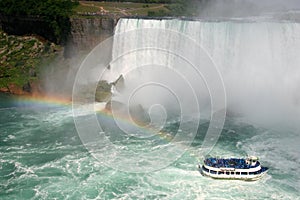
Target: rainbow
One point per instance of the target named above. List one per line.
(49, 101)
(138, 124)
(41, 100)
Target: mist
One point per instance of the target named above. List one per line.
(245, 8)
(258, 63)
(58, 76)
(254, 63)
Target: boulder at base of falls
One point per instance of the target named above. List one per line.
(103, 90)
(137, 113)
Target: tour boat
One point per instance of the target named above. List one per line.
(233, 168)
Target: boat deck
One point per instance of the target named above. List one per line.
(236, 163)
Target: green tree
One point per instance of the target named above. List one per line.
(53, 12)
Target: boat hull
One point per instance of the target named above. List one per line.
(232, 176)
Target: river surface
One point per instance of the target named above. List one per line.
(42, 157)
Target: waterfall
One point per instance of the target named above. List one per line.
(259, 61)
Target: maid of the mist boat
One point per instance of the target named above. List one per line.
(233, 168)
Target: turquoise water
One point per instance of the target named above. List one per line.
(42, 158)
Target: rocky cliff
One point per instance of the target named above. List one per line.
(87, 32)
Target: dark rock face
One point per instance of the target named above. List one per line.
(86, 33)
(119, 83)
(103, 94)
(137, 113)
(115, 106)
(27, 87)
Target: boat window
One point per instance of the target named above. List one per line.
(244, 173)
(221, 172)
(213, 172)
(205, 169)
(251, 173)
(232, 173)
(227, 173)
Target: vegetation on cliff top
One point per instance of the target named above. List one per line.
(19, 58)
(142, 7)
(22, 56)
(55, 13)
(120, 9)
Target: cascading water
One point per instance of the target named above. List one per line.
(258, 61)
(42, 156)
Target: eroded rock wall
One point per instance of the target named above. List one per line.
(86, 33)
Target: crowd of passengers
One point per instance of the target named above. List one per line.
(228, 163)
